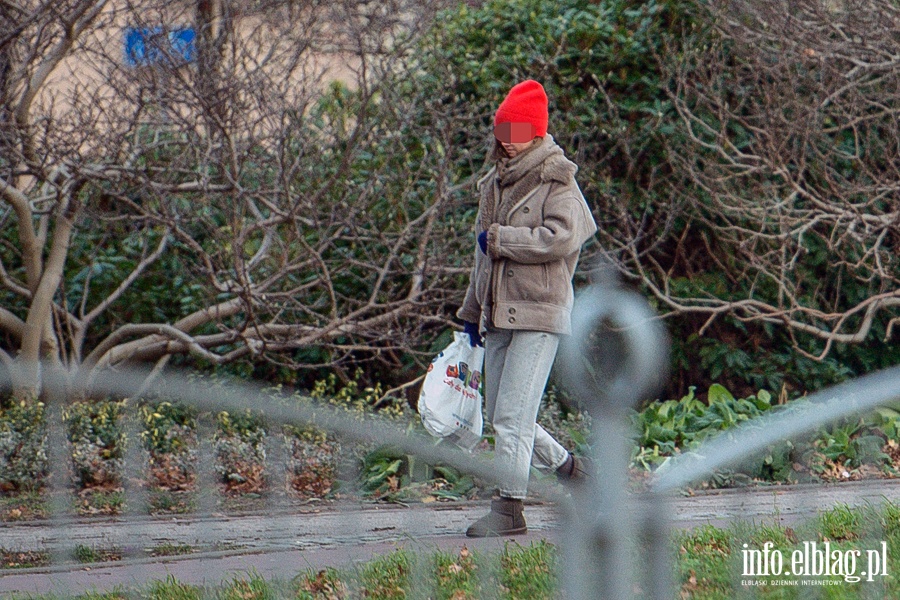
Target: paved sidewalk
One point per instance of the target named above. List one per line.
(283, 544)
(274, 546)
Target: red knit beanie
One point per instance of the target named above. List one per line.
(526, 102)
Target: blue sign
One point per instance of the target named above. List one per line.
(154, 45)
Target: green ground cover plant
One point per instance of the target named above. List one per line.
(319, 467)
(313, 461)
(241, 452)
(23, 441)
(171, 550)
(97, 442)
(456, 575)
(854, 448)
(91, 554)
(170, 437)
(171, 589)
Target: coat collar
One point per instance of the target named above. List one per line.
(545, 155)
(516, 177)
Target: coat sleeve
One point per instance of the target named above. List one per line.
(471, 307)
(567, 224)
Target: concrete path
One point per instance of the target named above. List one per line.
(275, 546)
(778, 504)
(283, 544)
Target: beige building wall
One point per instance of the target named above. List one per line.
(289, 55)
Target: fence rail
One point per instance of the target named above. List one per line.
(613, 540)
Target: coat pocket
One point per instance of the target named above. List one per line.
(525, 282)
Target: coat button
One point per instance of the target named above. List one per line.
(526, 210)
(510, 272)
(512, 311)
(512, 319)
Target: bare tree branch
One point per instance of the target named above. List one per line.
(787, 152)
(139, 270)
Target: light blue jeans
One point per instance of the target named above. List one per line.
(516, 367)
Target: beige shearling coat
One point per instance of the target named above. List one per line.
(537, 220)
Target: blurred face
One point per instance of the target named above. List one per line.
(512, 149)
(514, 137)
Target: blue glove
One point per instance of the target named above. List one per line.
(472, 330)
(482, 241)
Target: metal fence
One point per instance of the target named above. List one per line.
(615, 544)
(621, 548)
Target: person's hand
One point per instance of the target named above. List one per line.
(472, 330)
(482, 242)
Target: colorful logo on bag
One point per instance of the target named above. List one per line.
(434, 360)
(470, 378)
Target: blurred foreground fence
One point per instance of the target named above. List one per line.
(621, 547)
(616, 543)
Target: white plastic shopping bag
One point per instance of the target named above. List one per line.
(450, 400)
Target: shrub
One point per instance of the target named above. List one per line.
(240, 451)
(98, 442)
(23, 445)
(642, 95)
(313, 457)
(355, 396)
(170, 436)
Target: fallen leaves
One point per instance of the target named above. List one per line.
(172, 472)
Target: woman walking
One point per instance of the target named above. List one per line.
(531, 224)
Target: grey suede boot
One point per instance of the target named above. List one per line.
(505, 518)
(575, 470)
